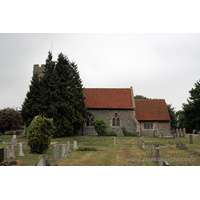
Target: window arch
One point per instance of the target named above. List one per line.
(90, 119)
(115, 120)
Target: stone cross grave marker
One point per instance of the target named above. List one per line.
(191, 139)
(55, 153)
(1, 154)
(47, 161)
(10, 152)
(63, 153)
(21, 152)
(40, 161)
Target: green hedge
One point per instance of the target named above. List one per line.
(9, 133)
(127, 133)
(111, 133)
(86, 149)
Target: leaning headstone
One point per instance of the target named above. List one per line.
(191, 139)
(63, 153)
(1, 154)
(47, 161)
(55, 153)
(40, 161)
(184, 132)
(10, 152)
(21, 152)
(152, 151)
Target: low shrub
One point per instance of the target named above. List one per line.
(86, 149)
(127, 133)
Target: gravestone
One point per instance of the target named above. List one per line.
(74, 146)
(152, 151)
(191, 139)
(10, 153)
(177, 133)
(24, 131)
(1, 154)
(68, 144)
(21, 152)
(160, 161)
(114, 142)
(183, 146)
(55, 153)
(157, 154)
(40, 161)
(180, 132)
(178, 145)
(184, 132)
(47, 161)
(193, 132)
(141, 141)
(14, 141)
(169, 142)
(63, 153)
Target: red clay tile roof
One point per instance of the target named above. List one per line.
(108, 98)
(151, 109)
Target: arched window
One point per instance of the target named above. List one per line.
(90, 119)
(115, 120)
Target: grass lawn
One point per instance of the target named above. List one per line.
(107, 154)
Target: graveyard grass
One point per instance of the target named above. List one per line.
(107, 154)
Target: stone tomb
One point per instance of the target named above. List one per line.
(10, 152)
(40, 161)
(21, 152)
(55, 153)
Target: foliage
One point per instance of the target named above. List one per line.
(39, 133)
(111, 133)
(181, 119)
(86, 149)
(191, 110)
(58, 95)
(100, 126)
(127, 133)
(173, 116)
(139, 97)
(10, 119)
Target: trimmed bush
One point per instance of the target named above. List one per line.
(127, 133)
(8, 133)
(111, 133)
(100, 126)
(39, 134)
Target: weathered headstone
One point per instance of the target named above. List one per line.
(63, 153)
(157, 154)
(160, 161)
(14, 141)
(114, 142)
(191, 139)
(10, 152)
(184, 132)
(177, 133)
(1, 154)
(183, 146)
(152, 151)
(40, 161)
(47, 161)
(180, 132)
(55, 153)
(75, 145)
(169, 142)
(21, 152)
(193, 132)
(165, 163)
(178, 145)
(68, 144)
(141, 141)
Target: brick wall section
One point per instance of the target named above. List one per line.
(126, 119)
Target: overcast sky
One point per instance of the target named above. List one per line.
(163, 66)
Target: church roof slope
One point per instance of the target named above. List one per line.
(151, 109)
(108, 98)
